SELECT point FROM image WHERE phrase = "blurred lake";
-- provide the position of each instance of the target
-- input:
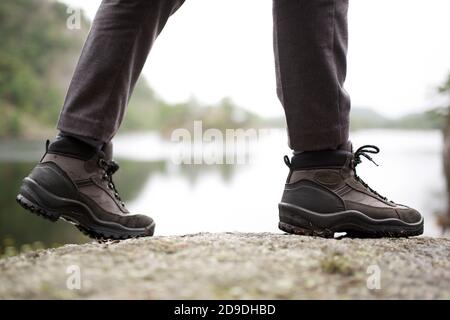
(213, 198)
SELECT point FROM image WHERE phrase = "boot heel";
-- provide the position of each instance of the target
(36, 209)
(29, 199)
(300, 225)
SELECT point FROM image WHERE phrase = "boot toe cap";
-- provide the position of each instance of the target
(409, 215)
(137, 221)
(144, 221)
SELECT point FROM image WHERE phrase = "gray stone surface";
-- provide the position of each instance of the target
(234, 265)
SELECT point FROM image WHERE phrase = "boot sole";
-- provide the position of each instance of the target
(35, 199)
(300, 221)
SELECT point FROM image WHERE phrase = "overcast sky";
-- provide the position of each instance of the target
(399, 52)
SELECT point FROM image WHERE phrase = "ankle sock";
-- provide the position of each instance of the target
(322, 158)
(319, 159)
(72, 146)
(97, 144)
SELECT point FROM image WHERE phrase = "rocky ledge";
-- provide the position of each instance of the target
(233, 266)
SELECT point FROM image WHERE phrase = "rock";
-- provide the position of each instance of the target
(234, 266)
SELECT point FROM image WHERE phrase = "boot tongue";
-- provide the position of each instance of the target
(107, 150)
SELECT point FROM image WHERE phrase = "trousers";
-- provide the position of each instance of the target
(310, 49)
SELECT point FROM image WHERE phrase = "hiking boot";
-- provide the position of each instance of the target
(324, 195)
(74, 182)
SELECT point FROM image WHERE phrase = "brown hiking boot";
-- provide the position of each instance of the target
(324, 195)
(74, 182)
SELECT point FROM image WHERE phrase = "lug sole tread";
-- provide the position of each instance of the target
(96, 235)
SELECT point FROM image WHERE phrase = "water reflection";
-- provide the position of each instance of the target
(20, 229)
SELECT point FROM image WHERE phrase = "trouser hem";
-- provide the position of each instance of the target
(324, 140)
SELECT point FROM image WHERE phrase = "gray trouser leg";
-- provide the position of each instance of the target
(310, 45)
(121, 37)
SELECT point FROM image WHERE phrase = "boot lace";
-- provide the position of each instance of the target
(365, 152)
(109, 168)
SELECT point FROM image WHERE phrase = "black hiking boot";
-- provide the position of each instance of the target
(324, 195)
(74, 182)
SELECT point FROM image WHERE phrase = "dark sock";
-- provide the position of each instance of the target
(345, 146)
(97, 144)
(72, 146)
(319, 159)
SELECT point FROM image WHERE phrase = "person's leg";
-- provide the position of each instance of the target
(310, 45)
(74, 178)
(121, 37)
(323, 194)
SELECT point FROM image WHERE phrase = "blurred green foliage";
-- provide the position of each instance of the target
(445, 87)
(362, 118)
(35, 44)
(37, 58)
(444, 216)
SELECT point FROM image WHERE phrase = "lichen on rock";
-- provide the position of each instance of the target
(234, 266)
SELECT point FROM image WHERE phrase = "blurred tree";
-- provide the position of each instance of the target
(37, 58)
(35, 46)
(445, 89)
